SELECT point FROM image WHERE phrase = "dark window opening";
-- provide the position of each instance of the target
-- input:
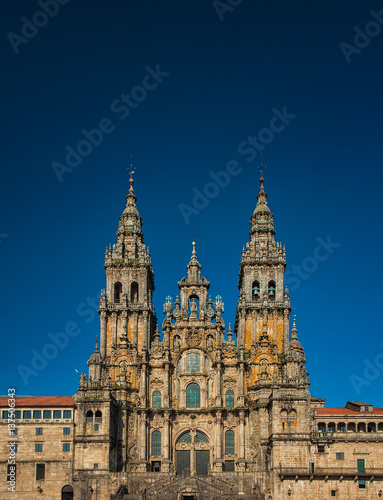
(229, 399)
(339, 456)
(27, 414)
(117, 292)
(156, 443)
(271, 290)
(156, 399)
(98, 416)
(311, 467)
(40, 472)
(156, 466)
(229, 442)
(134, 292)
(89, 416)
(320, 448)
(47, 414)
(193, 396)
(36, 413)
(229, 466)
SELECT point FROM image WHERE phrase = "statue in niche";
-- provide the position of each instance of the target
(193, 308)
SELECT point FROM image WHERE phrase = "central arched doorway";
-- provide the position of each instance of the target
(192, 454)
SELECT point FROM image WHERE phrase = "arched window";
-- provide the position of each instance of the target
(200, 437)
(229, 442)
(380, 426)
(185, 437)
(89, 416)
(331, 427)
(98, 416)
(134, 292)
(361, 427)
(341, 427)
(117, 292)
(271, 290)
(193, 396)
(156, 399)
(229, 399)
(351, 427)
(193, 362)
(156, 443)
(371, 427)
(321, 427)
(255, 290)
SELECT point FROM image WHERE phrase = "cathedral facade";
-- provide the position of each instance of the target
(193, 414)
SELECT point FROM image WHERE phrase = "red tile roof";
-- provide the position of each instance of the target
(35, 401)
(347, 411)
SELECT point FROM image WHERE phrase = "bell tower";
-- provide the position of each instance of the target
(263, 311)
(126, 309)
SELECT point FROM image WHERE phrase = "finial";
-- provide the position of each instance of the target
(96, 345)
(131, 170)
(261, 168)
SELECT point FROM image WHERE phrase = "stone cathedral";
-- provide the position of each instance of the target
(192, 413)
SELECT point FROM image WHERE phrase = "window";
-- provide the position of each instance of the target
(179, 366)
(117, 292)
(66, 431)
(229, 399)
(47, 414)
(271, 290)
(27, 414)
(134, 292)
(361, 466)
(89, 416)
(5, 414)
(362, 483)
(56, 413)
(331, 427)
(193, 396)
(156, 399)
(67, 414)
(95, 466)
(185, 437)
(36, 413)
(229, 442)
(39, 431)
(17, 414)
(38, 447)
(200, 437)
(156, 443)
(229, 465)
(193, 362)
(40, 472)
(96, 427)
(333, 493)
(339, 456)
(311, 467)
(66, 446)
(11, 472)
(255, 290)
(156, 466)
(98, 416)
(320, 448)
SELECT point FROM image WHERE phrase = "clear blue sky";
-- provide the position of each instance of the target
(225, 74)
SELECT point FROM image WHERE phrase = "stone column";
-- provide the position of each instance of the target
(145, 334)
(114, 327)
(124, 323)
(241, 388)
(166, 454)
(103, 319)
(218, 436)
(143, 437)
(135, 328)
(166, 387)
(254, 329)
(219, 384)
(143, 386)
(241, 435)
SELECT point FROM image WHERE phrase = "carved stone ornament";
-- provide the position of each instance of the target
(194, 338)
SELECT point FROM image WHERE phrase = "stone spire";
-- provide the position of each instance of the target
(262, 220)
(194, 267)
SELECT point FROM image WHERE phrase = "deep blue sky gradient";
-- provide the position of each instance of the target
(323, 177)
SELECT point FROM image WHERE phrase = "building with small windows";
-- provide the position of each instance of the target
(193, 410)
